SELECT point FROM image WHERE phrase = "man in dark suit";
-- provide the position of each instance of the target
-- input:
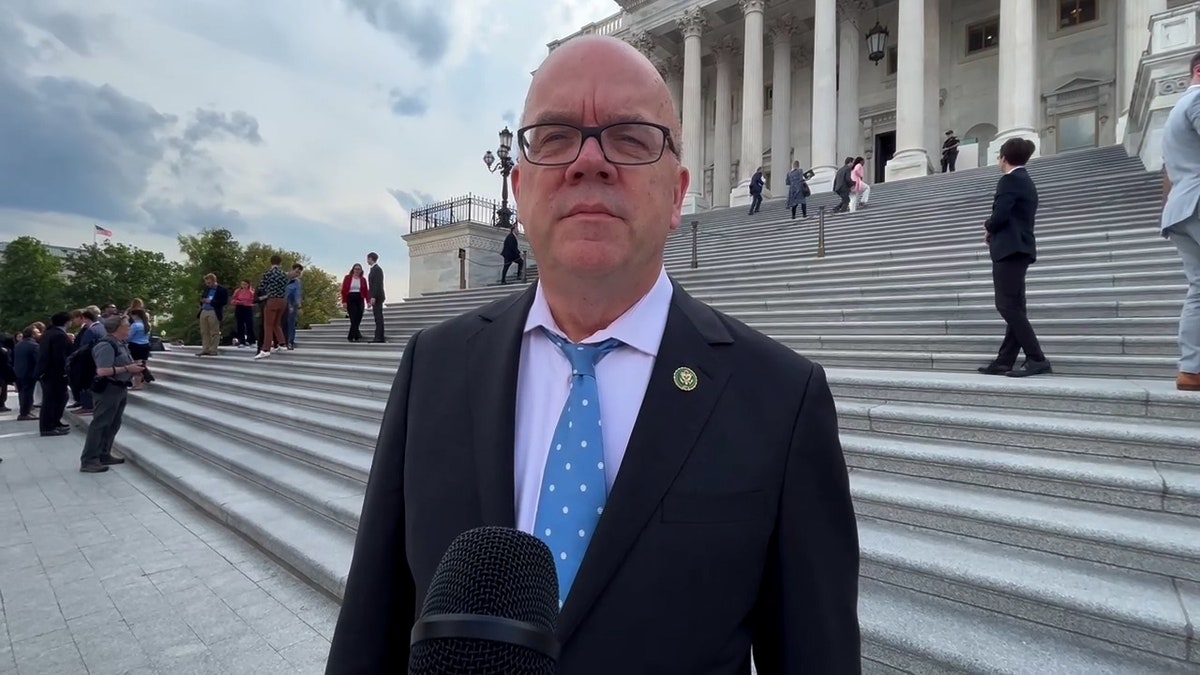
(842, 185)
(1009, 237)
(375, 284)
(25, 361)
(687, 475)
(511, 253)
(52, 371)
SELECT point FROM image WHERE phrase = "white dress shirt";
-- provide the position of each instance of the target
(544, 377)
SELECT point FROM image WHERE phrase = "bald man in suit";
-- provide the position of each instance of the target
(684, 469)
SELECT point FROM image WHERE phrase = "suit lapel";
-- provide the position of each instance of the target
(493, 357)
(667, 427)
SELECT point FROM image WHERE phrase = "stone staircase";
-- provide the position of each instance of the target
(1046, 525)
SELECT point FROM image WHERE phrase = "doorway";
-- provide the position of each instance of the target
(885, 149)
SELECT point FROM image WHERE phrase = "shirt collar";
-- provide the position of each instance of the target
(640, 327)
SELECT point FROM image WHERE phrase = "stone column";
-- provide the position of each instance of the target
(1135, 38)
(692, 24)
(781, 100)
(752, 101)
(725, 51)
(1017, 115)
(910, 160)
(671, 69)
(825, 162)
(933, 81)
(849, 134)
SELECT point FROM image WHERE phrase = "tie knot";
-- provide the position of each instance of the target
(584, 358)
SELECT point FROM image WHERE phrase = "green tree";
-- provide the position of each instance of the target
(119, 273)
(31, 284)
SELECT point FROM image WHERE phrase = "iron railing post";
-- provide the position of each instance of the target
(695, 251)
(821, 232)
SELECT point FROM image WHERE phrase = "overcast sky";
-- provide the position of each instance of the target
(311, 124)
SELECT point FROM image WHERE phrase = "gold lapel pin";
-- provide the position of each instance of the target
(685, 378)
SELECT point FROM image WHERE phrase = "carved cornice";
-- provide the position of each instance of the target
(642, 41)
(784, 28)
(852, 9)
(752, 6)
(693, 22)
(726, 48)
(669, 66)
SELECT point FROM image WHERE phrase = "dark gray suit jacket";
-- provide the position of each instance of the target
(1011, 223)
(375, 283)
(729, 524)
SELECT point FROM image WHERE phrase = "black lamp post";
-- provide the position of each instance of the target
(505, 165)
(877, 42)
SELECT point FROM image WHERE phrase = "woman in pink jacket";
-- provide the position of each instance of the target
(861, 190)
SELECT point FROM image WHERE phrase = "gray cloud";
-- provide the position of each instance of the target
(411, 201)
(170, 218)
(407, 104)
(424, 28)
(75, 148)
(69, 29)
(510, 118)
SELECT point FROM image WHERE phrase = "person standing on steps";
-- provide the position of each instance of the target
(115, 369)
(375, 281)
(355, 292)
(273, 288)
(949, 151)
(798, 191)
(609, 413)
(1008, 234)
(756, 188)
(1180, 222)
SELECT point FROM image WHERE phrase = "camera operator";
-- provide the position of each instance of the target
(115, 369)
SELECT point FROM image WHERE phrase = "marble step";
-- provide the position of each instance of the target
(1094, 435)
(1135, 484)
(912, 632)
(317, 548)
(1141, 613)
(1162, 544)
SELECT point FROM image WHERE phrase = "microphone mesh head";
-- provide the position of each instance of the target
(490, 571)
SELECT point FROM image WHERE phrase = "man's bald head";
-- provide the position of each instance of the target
(585, 55)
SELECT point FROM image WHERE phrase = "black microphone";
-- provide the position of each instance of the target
(491, 609)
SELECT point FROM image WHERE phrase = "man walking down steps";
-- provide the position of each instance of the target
(1180, 222)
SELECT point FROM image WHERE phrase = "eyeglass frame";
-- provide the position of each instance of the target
(594, 132)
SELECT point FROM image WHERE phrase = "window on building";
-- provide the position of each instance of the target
(768, 97)
(983, 35)
(1075, 12)
(893, 60)
(1077, 131)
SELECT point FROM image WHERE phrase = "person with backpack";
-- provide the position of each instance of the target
(114, 373)
(80, 368)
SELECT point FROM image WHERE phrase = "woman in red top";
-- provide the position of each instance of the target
(354, 295)
(243, 314)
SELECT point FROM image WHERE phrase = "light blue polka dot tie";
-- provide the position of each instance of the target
(573, 484)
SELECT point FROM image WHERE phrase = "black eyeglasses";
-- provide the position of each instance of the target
(623, 143)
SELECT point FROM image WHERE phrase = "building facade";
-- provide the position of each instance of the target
(766, 82)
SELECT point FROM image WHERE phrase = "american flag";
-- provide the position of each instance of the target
(103, 232)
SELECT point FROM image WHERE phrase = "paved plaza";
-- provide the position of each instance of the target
(113, 573)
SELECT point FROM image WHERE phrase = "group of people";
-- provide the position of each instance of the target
(266, 314)
(91, 355)
(278, 300)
